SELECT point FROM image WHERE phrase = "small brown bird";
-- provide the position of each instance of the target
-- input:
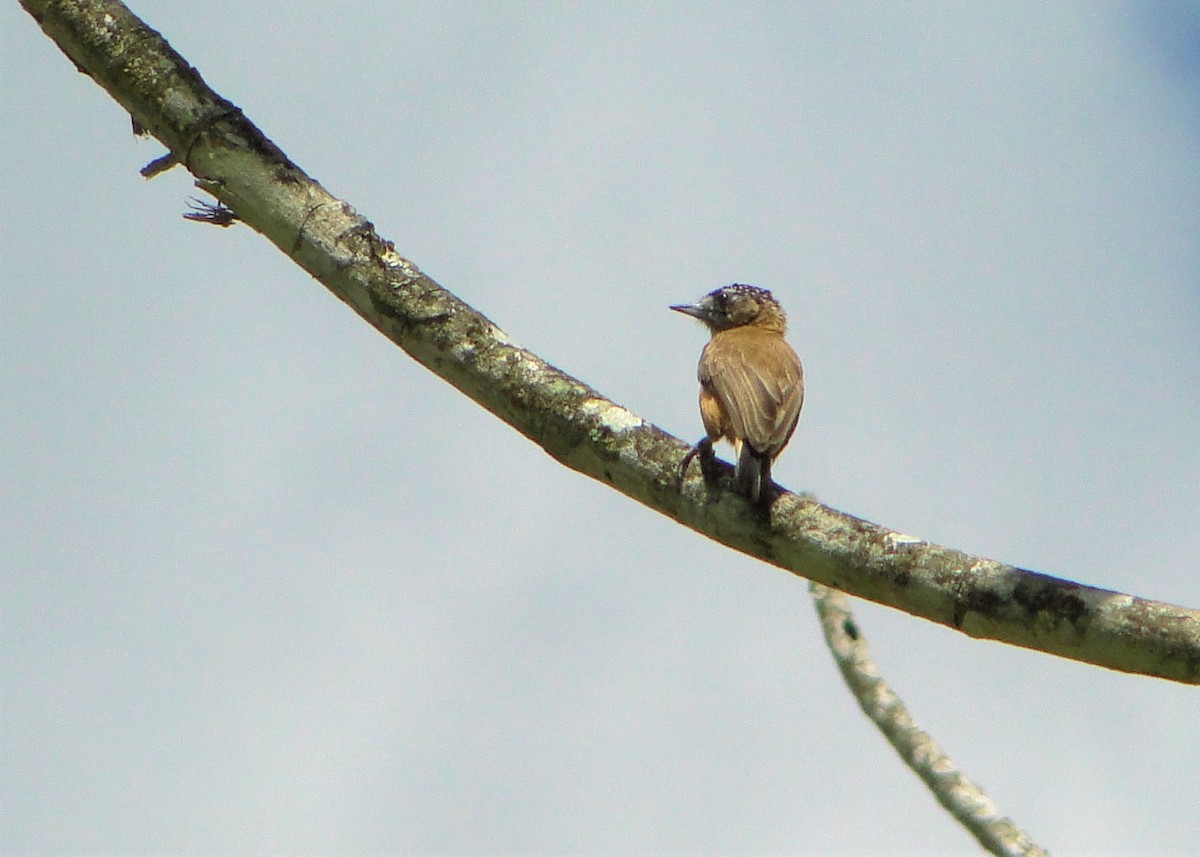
(751, 382)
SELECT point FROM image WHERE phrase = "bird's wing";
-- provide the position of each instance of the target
(758, 380)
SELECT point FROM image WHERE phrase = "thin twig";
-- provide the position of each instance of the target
(964, 800)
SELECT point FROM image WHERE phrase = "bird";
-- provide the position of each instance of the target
(751, 383)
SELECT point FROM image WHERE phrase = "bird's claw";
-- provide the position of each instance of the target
(708, 458)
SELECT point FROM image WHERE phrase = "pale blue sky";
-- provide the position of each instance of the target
(269, 586)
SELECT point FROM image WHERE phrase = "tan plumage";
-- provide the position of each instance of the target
(751, 381)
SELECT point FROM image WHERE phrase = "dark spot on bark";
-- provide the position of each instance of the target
(850, 629)
(1032, 594)
(1058, 598)
(983, 601)
(387, 309)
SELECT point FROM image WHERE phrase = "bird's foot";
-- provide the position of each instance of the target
(708, 460)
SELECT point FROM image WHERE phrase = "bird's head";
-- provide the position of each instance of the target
(736, 306)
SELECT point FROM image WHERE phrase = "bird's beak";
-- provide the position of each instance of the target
(699, 311)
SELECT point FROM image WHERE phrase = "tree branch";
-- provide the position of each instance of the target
(252, 177)
(966, 802)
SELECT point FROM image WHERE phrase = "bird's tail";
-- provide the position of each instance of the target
(753, 472)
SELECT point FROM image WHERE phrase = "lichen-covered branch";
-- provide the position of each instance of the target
(964, 800)
(251, 177)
